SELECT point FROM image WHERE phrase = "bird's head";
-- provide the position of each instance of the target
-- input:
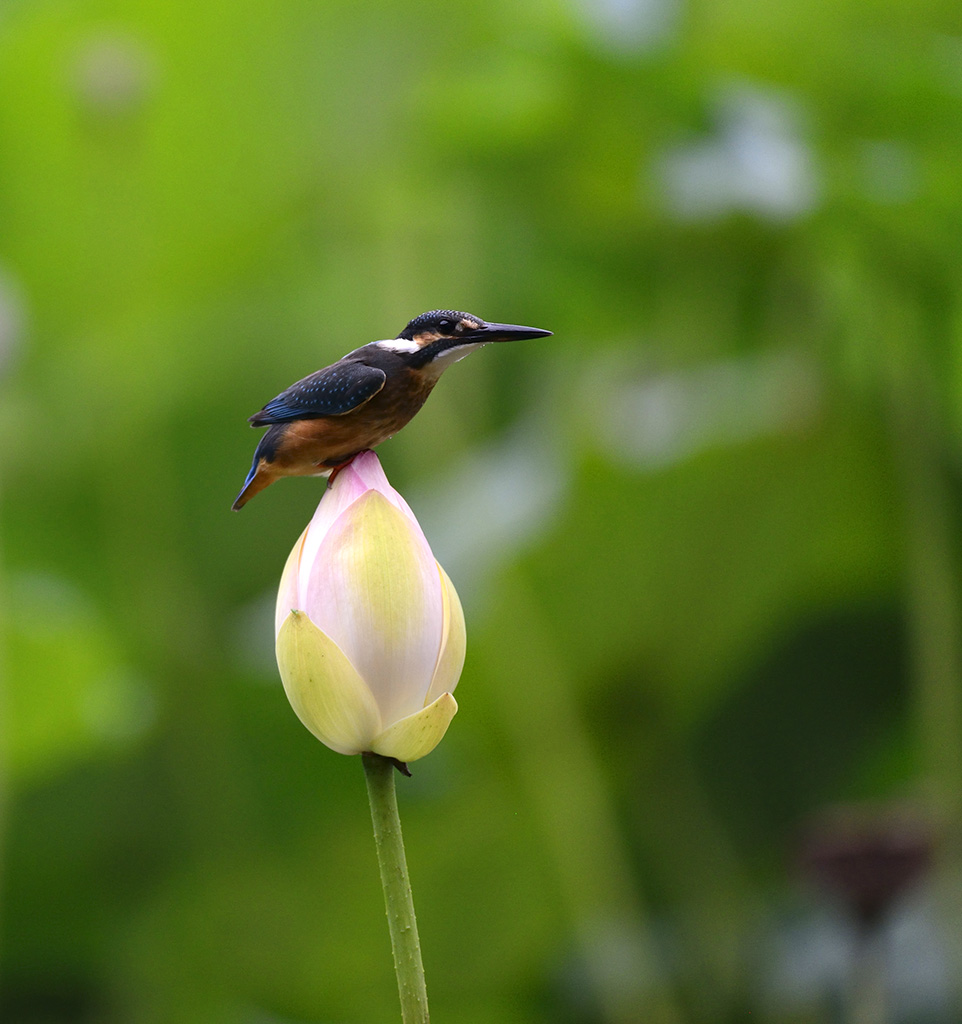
(442, 336)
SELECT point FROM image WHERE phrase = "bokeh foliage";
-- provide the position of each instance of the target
(706, 535)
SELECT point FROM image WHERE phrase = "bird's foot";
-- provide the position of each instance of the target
(340, 465)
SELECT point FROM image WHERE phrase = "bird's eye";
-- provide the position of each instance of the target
(445, 324)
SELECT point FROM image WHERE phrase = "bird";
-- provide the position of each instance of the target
(318, 425)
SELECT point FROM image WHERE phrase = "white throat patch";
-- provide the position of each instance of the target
(398, 345)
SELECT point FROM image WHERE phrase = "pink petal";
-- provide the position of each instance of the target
(361, 475)
(368, 468)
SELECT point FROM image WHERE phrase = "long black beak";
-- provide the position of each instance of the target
(505, 332)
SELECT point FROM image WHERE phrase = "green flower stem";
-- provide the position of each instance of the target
(398, 902)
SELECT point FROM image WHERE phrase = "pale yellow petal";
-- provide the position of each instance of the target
(287, 590)
(418, 734)
(447, 672)
(325, 690)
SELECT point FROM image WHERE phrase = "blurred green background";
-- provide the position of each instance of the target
(706, 536)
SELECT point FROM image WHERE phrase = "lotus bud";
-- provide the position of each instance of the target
(370, 631)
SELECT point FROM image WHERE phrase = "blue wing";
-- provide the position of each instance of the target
(332, 391)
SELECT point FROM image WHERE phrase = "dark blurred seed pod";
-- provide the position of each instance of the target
(867, 858)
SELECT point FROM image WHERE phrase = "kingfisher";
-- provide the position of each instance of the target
(320, 423)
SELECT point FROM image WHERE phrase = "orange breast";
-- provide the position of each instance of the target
(330, 440)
